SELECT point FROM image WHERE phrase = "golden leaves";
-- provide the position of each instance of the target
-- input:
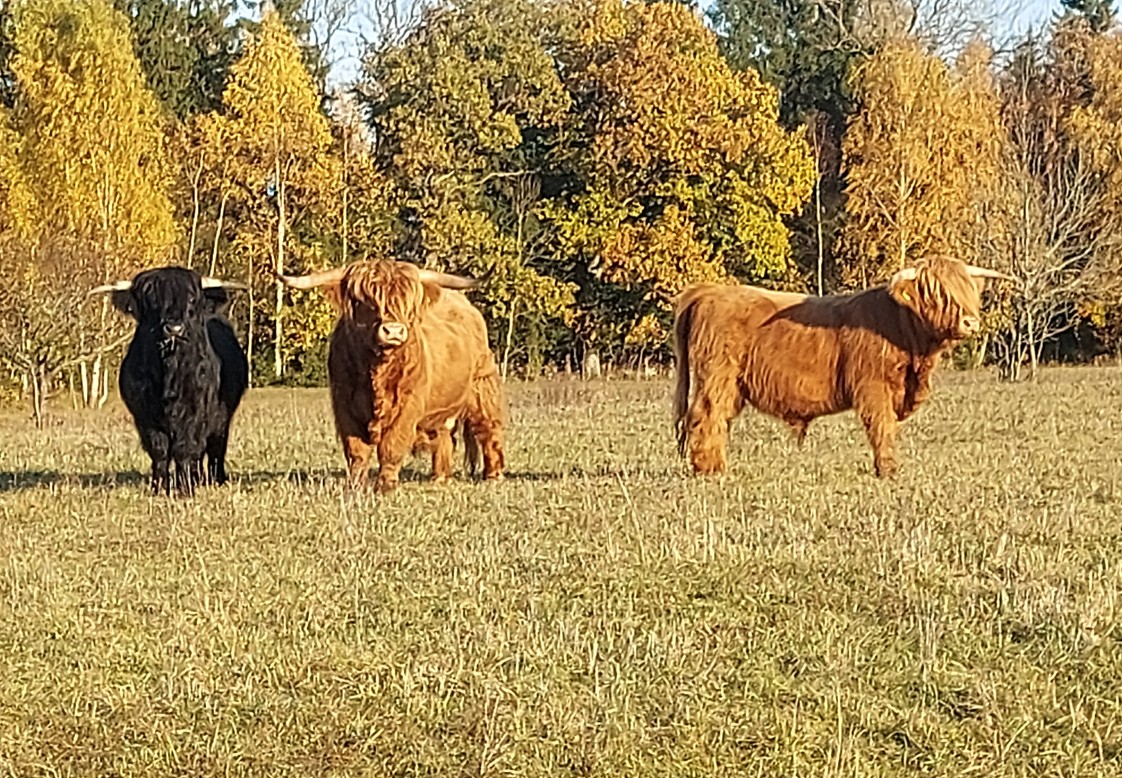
(93, 150)
(920, 154)
(683, 162)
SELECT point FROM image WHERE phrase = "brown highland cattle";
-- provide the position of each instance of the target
(798, 357)
(408, 363)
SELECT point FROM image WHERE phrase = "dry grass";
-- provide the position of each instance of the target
(598, 613)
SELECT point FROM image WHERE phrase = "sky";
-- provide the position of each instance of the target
(1024, 14)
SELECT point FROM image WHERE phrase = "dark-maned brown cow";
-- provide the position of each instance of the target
(408, 363)
(798, 357)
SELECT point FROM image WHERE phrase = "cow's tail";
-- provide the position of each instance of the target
(683, 324)
(471, 448)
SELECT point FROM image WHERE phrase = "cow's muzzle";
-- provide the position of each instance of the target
(391, 333)
(969, 326)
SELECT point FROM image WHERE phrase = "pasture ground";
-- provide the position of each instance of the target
(597, 614)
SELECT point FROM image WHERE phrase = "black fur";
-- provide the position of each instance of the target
(182, 387)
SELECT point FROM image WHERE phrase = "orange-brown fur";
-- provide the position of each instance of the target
(412, 396)
(797, 357)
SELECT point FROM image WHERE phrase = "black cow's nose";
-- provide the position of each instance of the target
(173, 330)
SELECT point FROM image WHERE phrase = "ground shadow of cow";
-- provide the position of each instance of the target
(25, 480)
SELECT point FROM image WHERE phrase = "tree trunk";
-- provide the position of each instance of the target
(1032, 346)
(346, 192)
(95, 382)
(278, 331)
(217, 234)
(818, 205)
(509, 337)
(249, 320)
(36, 380)
(194, 212)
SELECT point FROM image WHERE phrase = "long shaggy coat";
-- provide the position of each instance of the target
(409, 364)
(798, 357)
(184, 373)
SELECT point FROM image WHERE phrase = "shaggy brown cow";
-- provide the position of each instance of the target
(408, 364)
(797, 357)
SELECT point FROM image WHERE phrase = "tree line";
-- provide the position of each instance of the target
(595, 156)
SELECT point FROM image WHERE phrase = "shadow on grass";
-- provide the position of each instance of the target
(18, 481)
(34, 479)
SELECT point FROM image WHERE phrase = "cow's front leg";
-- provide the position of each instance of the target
(875, 407)
(395, 444)
(156, 443)
(357, 452)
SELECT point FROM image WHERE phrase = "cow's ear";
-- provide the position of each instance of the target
(334, 295)
(905, 292)
(217, 300)
(123, 301)
(431, 294)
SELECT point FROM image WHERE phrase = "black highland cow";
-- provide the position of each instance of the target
(184, 374)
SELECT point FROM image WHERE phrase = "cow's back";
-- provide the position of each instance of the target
(233, 367)
(784, 348)
(455, 337)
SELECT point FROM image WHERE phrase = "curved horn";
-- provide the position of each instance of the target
(217, 283)
(119, 286)
(312, 280)
(447, 280)
(903, 274)
(983, 272)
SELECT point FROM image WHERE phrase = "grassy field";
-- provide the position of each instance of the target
(599, 613)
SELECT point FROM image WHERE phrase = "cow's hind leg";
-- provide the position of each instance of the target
(714, 406)
(798, 429)
(188, 474)
(216, 458)
(485, 420)
(442, 449)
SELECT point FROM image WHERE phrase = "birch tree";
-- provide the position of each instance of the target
(273, 111)
(93, 156)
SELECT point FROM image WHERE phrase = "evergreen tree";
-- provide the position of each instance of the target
(185, 49)
(1098, 14)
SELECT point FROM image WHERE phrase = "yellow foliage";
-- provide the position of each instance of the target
(687, 172)
(920, 154)
(17, 204)
(648, 332)
(93, 152)
(666, 254)
(1097, 127)
(271, 102)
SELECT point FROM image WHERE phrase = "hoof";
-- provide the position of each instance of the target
(886, 470)
(385, 485)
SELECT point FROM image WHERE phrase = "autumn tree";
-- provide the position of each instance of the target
(93, 157)
(185, 49)
(1063, 181)
(463, 111)
(805, 49)
(272, 141)
(1099, 15)
(921, 150)
(677, 168)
